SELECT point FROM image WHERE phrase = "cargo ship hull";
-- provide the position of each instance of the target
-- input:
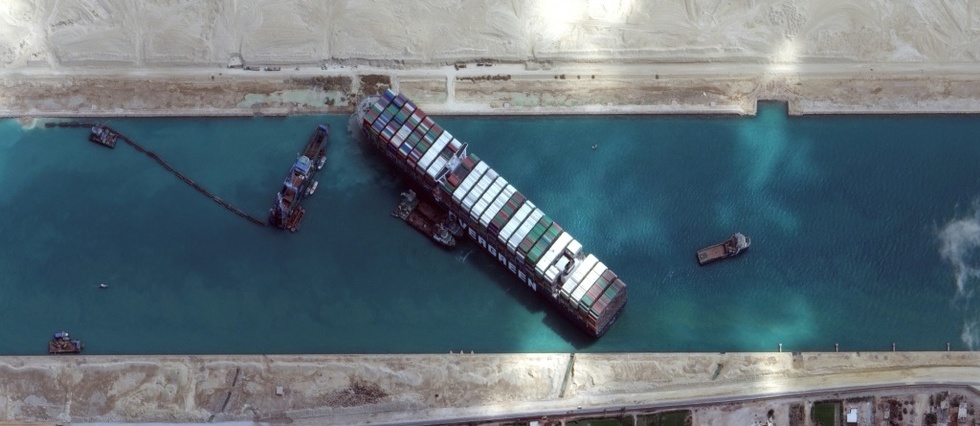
(508, 226)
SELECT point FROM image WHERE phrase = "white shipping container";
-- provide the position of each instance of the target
(588, 282)
(575, 247)
(436, 167)
(579, 273)
(431, 154)
(396, 140)
(498, 204)
(552, 274)
(488, 196)
(481, 201)
(556, 247)
(522, 232)
(479, 189)
(403, 132)
(515, 221)
(471, 179)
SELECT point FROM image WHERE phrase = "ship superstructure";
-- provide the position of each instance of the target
(494, 214)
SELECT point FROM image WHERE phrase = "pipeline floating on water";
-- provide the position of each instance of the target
(105, 132)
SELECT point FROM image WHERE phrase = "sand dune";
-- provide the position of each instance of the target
(625, 56)
(96, 32)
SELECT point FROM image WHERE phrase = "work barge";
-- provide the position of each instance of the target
(426, 219)
(287, 212)
(62, 343)
(731, 247)
(501, 220)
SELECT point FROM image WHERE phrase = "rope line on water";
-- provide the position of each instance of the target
(169, 168)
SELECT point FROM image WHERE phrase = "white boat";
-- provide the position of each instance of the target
(312, 188)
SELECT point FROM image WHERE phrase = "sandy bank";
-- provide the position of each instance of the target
(120, 58)
(340, 389)
(510, 90)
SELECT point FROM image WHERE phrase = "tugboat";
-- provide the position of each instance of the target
(287, 212)
(729, 248)
(424, 218)
(62, 343)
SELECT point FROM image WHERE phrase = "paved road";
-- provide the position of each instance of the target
(826, 385)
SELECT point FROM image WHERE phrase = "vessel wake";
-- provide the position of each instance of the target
(960, 246)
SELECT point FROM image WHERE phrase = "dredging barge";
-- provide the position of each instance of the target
(62, 343)
(103, 135)
(731, 247)
(424, 218)
(287, 212)
(493, 213)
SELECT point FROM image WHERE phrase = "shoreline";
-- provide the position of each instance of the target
(508, 90)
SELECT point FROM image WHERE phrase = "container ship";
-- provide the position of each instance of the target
(493, 213)
(287, 212)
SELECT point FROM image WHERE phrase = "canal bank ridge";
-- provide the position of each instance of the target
(437, 389)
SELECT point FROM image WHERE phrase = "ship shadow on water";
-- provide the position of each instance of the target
(528, 299)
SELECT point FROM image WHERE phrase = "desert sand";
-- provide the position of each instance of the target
(384, 389)
(116, 57)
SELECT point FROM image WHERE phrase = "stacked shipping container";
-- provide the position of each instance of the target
(494, 214)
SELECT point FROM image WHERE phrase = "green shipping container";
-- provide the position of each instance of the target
(391, 110)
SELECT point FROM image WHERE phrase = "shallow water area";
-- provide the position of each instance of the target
(860, 228)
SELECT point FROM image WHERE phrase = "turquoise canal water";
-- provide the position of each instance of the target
(865, 232)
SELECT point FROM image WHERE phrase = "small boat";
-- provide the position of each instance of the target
(312, 188)
(62, 343)
(103, 285)
(321, 162)
(723, 250)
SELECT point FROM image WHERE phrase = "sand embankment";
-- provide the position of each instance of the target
(360, 389)
(114, 57)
